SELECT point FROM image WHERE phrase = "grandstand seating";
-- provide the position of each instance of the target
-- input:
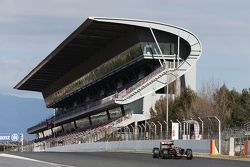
(82, 135)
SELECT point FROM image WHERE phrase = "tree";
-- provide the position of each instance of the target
(230, 106)
(178, 107)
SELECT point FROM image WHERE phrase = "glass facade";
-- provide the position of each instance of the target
(107, 67)
(135, 107)
(115, 113)
(149, 48)
(81, 123)
(99, 118)
(68, 126)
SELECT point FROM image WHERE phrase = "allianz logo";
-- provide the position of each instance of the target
(4, 137)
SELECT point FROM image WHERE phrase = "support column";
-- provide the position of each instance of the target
(177, 87)
(37, 135)
(123, 111)
(62, 127)
(75, 124)
(90, 121)
(231, 146)
(52, 131)
(178, 55)
(108, 114)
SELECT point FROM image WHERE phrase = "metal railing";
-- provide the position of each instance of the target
(125, 92)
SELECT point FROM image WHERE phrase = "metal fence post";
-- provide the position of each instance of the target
(160, 129)
(154, 129)
(202, 128)
(144, 125)
(139, 131)
(133, 130)
(219, 133)
(149, 130)
(166, 127)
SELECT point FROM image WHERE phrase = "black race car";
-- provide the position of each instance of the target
(168, 150)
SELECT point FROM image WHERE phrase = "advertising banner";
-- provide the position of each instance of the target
(14, 137)
(175, 131)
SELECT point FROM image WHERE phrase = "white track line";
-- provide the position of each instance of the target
(34, 160)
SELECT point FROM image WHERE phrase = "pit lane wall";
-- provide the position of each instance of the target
(198, 146)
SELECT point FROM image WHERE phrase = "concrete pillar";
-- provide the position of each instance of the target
(231, 146)
(62, 128)
(52, 132)
(177, 87)
(108, 114)
(123, 111)
(90, 121)
(75, 124)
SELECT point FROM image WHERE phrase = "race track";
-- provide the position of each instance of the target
(106, 159)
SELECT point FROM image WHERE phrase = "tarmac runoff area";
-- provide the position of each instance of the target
(109, 159)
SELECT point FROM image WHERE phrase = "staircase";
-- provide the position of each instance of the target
(154, 81)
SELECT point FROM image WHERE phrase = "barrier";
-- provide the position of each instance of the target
(198, 146)
(212, 147)
(246, 148)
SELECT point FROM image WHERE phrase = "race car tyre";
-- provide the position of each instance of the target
(165, 154)
(156, 152)
(189, 154)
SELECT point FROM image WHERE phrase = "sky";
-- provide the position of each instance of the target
(30, 30)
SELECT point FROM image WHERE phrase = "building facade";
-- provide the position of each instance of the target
(110, 68)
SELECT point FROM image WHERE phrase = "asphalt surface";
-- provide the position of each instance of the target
(108, 159)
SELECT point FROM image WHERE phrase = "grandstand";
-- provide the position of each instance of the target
(107, 74)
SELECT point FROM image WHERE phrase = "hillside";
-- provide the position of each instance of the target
(17, 114)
